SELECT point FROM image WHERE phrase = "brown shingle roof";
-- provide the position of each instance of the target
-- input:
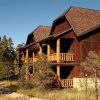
(41, 33)
(82, 19)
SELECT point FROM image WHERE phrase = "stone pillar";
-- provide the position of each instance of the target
(58, 56)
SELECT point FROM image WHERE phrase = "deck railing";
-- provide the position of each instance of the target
(63, 57)
(52, 57)
(35, 59)
(66, 83)
(32, 60)
(67, 57)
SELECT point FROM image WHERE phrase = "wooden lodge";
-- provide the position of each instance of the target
(66, 43)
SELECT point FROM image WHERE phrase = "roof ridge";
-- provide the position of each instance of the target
(44, 26)
(67, 10)
(83, 8)
(38, 27)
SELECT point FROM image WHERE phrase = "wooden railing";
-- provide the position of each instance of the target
(32, 60)
(35, 59)
(67, 57)
(63, 57)
(66, 83)
(52, 57)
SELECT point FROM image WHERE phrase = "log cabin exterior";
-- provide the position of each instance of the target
(67, 42)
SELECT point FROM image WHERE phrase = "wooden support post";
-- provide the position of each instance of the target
(26, 58)
(23, 57)
(40, 50)
(58, 57)
(33, 56)
(48, 51)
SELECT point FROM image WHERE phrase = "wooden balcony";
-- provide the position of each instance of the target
(32, 60)
(66, 83)
(66, 57)
(52, 57)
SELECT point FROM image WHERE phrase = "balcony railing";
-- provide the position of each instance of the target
(66, 83)
(67, 57)
(63, 57)
(32, 60)
(52, 57)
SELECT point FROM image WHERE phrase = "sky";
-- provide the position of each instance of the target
(19, 17)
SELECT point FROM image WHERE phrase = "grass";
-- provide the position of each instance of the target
(61, 94)
(8, 83)
(53, 94)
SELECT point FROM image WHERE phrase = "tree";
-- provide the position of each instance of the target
(7, 53)
(43, 74)
(18, 60)
(92, 67)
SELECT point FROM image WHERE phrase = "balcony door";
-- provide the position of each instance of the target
(65, 44)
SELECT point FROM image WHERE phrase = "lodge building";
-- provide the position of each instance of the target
(66, 43)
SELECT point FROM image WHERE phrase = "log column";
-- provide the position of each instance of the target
(33, 56)
(26, 58)
(58, 56)
(48, 51)
(40, 50)
(23, 57)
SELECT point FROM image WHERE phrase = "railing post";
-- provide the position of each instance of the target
(58, 56)
(26, 58)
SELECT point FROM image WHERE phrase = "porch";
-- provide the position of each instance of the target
(57, 53)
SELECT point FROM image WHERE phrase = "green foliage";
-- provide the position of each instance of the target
(3, 69)
(7, 56)
(22, 82)
(92, 62)
(7, 51)
(43, 73)
(19, 46)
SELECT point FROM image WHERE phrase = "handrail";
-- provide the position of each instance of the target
(66, 82)
(63, 57)
(66, 56)
(52, 57)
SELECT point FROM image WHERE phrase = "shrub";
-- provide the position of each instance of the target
(43, 73)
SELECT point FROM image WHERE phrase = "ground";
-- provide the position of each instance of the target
(54, 94)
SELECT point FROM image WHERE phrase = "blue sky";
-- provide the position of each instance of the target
(19, 17)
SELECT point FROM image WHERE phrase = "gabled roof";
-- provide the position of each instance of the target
(81, 19)
(39, 34)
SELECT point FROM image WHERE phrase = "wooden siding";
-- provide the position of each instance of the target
(90, 43)
(76, 49)
(60, 26)
(81, 46)
(30, 39)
